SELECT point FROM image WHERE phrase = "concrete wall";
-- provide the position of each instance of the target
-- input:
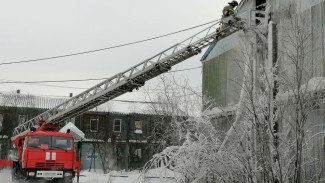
(311, 16)
(315, 126)
(221, 78)
(222, 72)
(219, 68)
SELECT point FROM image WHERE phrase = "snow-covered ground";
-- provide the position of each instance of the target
(152, 176)
(5, 176)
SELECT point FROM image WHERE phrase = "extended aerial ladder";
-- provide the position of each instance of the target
(128, 80)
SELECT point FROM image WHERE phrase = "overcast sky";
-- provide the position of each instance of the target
(41, 28)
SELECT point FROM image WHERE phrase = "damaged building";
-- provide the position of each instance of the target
(282, 42)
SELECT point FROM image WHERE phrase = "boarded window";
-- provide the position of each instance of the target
(22, 119)
(117, 125)
(94, 125)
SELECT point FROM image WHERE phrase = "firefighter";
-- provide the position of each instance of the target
(229, 10)
(226, 12)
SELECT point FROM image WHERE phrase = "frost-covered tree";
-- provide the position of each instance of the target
(170, 100)
(276, 109)
(278, 132)
(192, 141)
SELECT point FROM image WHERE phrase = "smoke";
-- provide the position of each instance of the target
(112, 159)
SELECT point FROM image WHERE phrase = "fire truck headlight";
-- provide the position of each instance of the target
(67, 174)
(31, 173)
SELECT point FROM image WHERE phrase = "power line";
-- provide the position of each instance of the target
(186, 69)
(46, 85)
(52, 81)
(103, 49)
(77, 80)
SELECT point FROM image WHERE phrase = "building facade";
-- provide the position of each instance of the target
(274, 32)
(125, 139)
(113, 141)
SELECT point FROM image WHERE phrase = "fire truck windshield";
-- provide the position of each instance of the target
(50, 142)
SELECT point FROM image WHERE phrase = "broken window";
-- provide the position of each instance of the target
(117, 125)
(138, 126)
(138, 153)
(260, 5)
(22, 119)
(94, 125)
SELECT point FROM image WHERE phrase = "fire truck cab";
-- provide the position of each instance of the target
(47, 155)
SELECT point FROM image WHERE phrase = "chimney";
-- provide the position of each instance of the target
(71, 95)
(18, 91)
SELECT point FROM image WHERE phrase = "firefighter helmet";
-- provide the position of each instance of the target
(233, 3)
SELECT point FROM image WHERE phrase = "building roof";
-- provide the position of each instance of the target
(42, 102)
(29, 101)
(39, 102)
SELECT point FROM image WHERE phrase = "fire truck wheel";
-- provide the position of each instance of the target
(18, 175)
(65, 180)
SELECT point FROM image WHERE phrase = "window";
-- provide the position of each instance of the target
(1, 121)
(50, 142)
(39, 142)
(260, 4)
(63, 143)
(117, 125)
(94, 125)
(138, 126)
(137, 153)
(22, 119)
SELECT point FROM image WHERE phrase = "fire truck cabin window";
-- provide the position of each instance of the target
(63, 143)
(50, 142)
(39, 142)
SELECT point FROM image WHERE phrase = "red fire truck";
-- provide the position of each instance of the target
(44, 153)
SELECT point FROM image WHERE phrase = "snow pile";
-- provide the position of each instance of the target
(92, 177)
(221, 111)
(314, 85)
(5, 175)
(123, 177)
(78, 134)
(98, 176)
(138, 131)
(162, 174)
(158, 175)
